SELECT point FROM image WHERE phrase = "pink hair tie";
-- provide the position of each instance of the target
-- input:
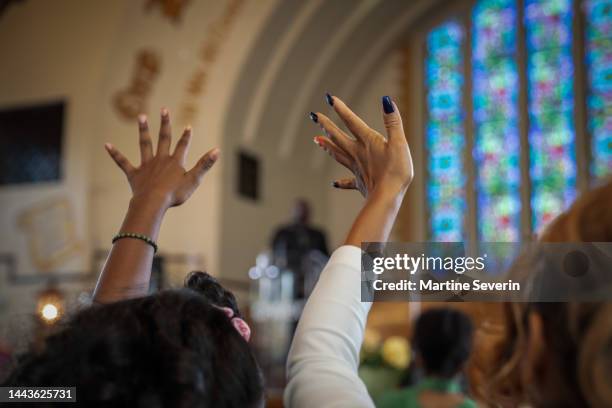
(240, 325)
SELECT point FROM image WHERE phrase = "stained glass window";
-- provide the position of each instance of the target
(552, 161)
(546, 87)
(496, 137)
(445, 132)
(599, 61)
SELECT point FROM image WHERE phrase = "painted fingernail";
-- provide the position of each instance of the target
(316, 141)
(330, 100)
(387, 104)
(336, 184)
(314, 117)
(142, 118)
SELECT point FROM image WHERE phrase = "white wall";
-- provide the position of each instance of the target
(85, 54)
(194, 229)
(53, 50)
(248, 225)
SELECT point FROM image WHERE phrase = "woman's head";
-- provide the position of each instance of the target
(588, 220)
(443, 340)
(177, 348)
(560, 354)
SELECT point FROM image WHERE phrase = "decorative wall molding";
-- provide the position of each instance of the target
(215, 36)
(171, 9)
(132, 100)
(51, 233)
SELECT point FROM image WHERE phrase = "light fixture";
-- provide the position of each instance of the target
(50, 305)
(49, 312)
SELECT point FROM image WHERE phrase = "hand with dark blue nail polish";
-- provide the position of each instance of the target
(387, 104)
(378, 163)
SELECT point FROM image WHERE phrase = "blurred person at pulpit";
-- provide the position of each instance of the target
(300, 248)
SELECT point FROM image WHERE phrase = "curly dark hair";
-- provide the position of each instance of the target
(175, 348)
(212, 290)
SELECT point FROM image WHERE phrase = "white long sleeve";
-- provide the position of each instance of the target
(324, 357)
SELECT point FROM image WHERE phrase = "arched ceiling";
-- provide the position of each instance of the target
(305, 49)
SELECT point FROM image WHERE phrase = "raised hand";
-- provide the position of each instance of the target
(162, 175)
(375, 161)
(159, 183)
(382, 167)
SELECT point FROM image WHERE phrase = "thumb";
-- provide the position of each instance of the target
(205, 163)
(392, 119)
(121, 161)
(346, 184)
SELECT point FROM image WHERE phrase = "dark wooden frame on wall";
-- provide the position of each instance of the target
(413, 225)
(248, 175)
(45, 119)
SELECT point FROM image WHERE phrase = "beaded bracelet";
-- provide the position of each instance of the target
(136, 236)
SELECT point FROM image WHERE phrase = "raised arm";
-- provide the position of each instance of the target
(160, 182)
(324, 357)
(382, 168)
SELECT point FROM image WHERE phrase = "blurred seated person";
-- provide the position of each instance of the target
(294, 243)
(442, 341)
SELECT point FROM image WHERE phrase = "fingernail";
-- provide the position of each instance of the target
(314, 117)
(329, 99)
(336, 184)
(164, 112)
(142, 118)
(387, 104)
(214, 155)
(188, 128)
(316, 141)
(108, 146)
